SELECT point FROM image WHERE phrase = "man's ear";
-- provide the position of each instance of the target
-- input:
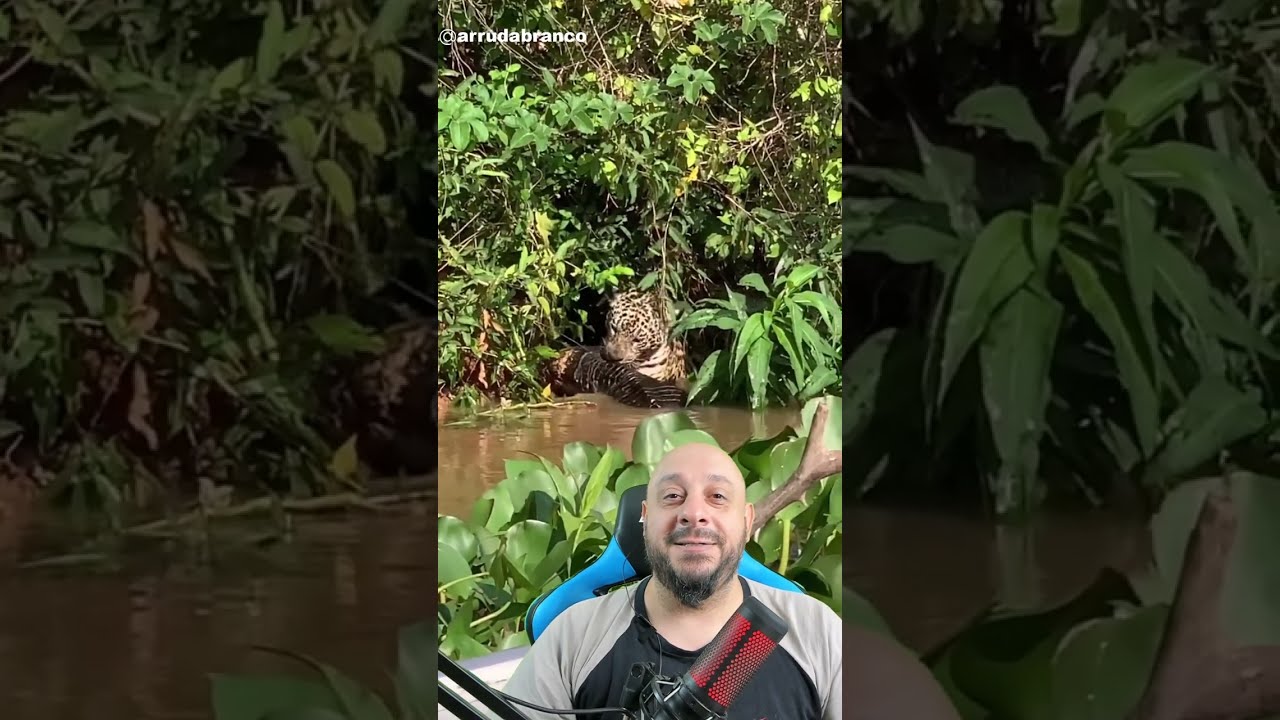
(644, 509)
(751, 516)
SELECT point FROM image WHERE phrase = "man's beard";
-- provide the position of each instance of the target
(692, 588)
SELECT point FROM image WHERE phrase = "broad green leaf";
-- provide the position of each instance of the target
(527, 544)
(631, 476)
(91, 290)
(861, 381)
(388, 70)
(456, 533)
(758, 370)
(1105, 309)
(910, 244)
(547, 567)
(308, 713)
(299, 130)
(685, 437)
(566, 491)
(494, 509)
(1005, 660)
(54, 132)
(650, 441)
(1149, 90)
(1183, 285)
(344, 335)
(996, 265)
(451, 571)
(271, 43)
(339, 186)
(416, 683)
(1046, 233)
(579, 458)
(800, 275)
(833, 438)
(1066, 19)
(598, 480)
(1214, 416)
(1254, 196)
(1102, 666)
(709, 374)
(952, 175)
(55, 27)
(92, 234)
(1003, 107)
(1017, 351)
(754, 281)
(390, 21)
(1202, 171)
(903, 181)
(1137, 220)
(254, 697)
(231, 77)
(819, 380)
(784, 459)
(824, 304)
(752, 330)
(362, 126)
(356, 700)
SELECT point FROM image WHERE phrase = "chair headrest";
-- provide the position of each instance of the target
(622, 562)
(628, 530)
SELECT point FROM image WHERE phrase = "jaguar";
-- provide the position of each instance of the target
(638, 335)
(585, 370)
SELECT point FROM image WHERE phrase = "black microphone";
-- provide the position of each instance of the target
(725, 665)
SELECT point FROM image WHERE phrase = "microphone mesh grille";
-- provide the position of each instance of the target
(719, 652)
(727, 687)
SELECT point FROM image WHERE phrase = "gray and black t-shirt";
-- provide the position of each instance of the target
(583, 658)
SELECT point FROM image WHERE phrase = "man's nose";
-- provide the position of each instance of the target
(693, 510)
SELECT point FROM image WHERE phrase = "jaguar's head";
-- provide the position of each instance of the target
(639, 323)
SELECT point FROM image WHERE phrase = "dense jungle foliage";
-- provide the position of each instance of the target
(205, 216)
(1064, 246)
(690, 146)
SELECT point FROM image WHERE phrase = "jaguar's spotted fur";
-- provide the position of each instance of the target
(639, 336)
(585, 370)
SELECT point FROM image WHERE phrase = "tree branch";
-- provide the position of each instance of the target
(816, 464)
(1197, 674)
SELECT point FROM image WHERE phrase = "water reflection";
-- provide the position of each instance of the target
(140, 645)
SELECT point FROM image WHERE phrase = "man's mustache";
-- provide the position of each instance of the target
(689, 535)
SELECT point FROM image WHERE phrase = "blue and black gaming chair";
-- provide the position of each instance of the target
(622, 562)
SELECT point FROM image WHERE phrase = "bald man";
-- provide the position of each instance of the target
(696, 522)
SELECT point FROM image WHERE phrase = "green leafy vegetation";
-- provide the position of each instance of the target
(1100, 270)
(545, 521)
(203, 222)
(1094, 656)
(1064, 216)
(331, 695)
(786, 351)
(668, 150)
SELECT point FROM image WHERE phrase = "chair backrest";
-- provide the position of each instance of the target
(622, 562)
